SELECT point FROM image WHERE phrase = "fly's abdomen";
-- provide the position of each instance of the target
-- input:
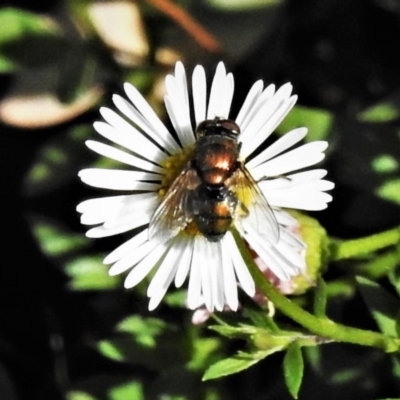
(212, 210)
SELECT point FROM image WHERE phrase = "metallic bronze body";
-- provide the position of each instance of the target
(215, 159)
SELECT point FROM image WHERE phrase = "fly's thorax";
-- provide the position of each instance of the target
(215, 158)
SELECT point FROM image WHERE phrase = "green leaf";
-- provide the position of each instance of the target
(89, 273)
(320, 298)
(383, 112)
(203, 350)
(144, 330)
(233, 332)
(128, 390)
(293, 368)
(382, 305)
(235, 364)
(318, 122)
(261, 319)
(385, 164)
(390, 190)
(54, 239)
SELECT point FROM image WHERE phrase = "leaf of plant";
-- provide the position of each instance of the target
(293, 368)
(319, 122)
(320, 298)
(382, 112)
(27, 39)
(89, 273)
(382, 305)
(261, 319)
(127, 390)
(233, 332)
(237, 363)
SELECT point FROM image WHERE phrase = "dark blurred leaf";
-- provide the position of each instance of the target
(235, 364)
(56, 240)
(261, 319)
(384, 112)
(203, 350)
(27, 39)
(58, 161)
(144, 330)
(127, 391)
(293, 367)
(383, 306)
(233, 332)
(79, 395)
(317, 121)
(390, 190)
(385, 164)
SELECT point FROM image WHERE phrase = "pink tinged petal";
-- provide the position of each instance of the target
(229, 280)
(119, 179)
(250, 101)
(199, 89)
(123, 157)
(185, 261)
(266, 254)
(147, 119)
(200, 316)
(123, 133)
(143, 268)
(242, 272)
(217, 89)
(194, 297)
(127, 247)
(292, 239)
(263, 131)
(301, 157)
(134, 256)
(282, 144)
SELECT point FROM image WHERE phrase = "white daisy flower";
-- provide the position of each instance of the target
(213, 267)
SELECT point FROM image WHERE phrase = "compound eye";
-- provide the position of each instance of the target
(230, 126)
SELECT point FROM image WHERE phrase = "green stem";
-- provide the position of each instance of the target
(321, 326)
(342, 249)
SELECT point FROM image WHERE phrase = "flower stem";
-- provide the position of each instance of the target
(343, 249)
(321, 326)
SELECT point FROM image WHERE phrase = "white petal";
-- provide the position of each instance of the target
(304, 156)
(143, 268)
(127, 247)
(229, 280)
(251, 99)
(217, 89)
(199, 88)
(227, 95)
(262, 109)
(101, 231)
(123, 133)
(265, 127)
(194, 289)
(147, 119)
(119, 179)
(134, 256)
(281, 145)
(242, 273)
(216, 275)
(165, 141)
(165, 272)
(123, 157)
(184, 263)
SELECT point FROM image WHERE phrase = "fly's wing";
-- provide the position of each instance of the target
(253, 205)
(173, 214)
